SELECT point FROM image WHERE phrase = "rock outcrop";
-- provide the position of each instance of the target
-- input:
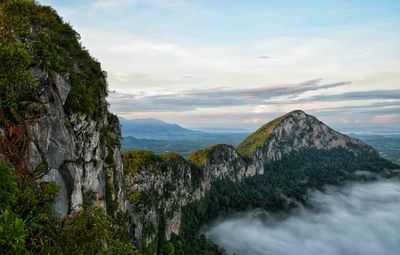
(162, 186)
(82, 154)
(55, 125)
(298, 131)
(64, 132)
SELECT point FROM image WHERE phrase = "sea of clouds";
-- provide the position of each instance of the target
(357, 219)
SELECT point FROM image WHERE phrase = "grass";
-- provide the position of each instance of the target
(259, 137)
(135, 160)
(199, 157)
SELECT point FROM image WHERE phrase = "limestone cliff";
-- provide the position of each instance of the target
(54, 122)
(82, 154)
(55, 127)
(159, 187)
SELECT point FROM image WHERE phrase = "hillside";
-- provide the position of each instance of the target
(66, 189)
(59, 146)
(182, 195)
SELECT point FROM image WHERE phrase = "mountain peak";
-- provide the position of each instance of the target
(258, 138)
(293, 131)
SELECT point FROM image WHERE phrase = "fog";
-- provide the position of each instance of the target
(360, 218)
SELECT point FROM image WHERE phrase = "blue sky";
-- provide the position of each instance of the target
(241, 63)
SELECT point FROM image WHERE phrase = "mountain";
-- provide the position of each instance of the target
(156, 129)
(276, 164)
(59, 144)
(294, 132)
(66, 188)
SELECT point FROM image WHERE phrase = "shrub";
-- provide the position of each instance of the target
(12, 233)
(90, 231)
(8, 186)
(135, 160)
(199, 157)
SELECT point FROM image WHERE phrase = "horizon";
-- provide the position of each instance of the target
(212, 64)
(249, 129)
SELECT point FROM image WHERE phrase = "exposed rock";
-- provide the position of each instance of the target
(298, 130)
(159, 189)
(74, 147)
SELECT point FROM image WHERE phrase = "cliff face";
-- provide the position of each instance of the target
(162, 186)
(82, 154)
(159, 186)
(54, 122)
(61, 127)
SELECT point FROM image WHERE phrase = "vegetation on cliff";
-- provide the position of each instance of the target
(28, 223)
(34, 35)
(281, 188)
(35, 42)
(199, 157)
(260, 136)
(33, 38)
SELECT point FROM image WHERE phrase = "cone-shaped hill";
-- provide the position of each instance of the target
(294, 131)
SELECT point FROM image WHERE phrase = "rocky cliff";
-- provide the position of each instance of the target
(296, 131)
(162, 186)
(55, 125)
(82, 154)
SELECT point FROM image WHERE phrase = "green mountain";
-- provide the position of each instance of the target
(66, 189)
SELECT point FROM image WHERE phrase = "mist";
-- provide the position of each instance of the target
(359, 218)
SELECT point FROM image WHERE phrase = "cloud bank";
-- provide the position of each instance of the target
(359, 219)
(213, 97)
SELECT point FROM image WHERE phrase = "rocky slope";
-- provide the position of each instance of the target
(82, 154)
(55, 127)
(293, 132)
(167, 184)
(54, 122)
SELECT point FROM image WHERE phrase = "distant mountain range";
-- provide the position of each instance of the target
(162, 137)
(157, 129)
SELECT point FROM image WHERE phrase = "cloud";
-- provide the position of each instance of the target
(358, 219)
(265, 57)
(217, 97)
(386, 118)
(361, 95)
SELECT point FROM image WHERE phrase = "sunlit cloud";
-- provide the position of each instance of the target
(386, 118)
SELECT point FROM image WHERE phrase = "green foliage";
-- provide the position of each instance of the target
(291, 177)
(8, 186)
(88, 197)
(258, 138)
(86, 232)
(134, 196)
(92, 231)
(32, 34)
(35, 206)
(169, 249)
(171, 157)
(34, 37)
(16, 82)
(199, 157)
(12, 233)
(135, 160)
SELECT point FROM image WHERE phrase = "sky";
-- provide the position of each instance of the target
(238, 64)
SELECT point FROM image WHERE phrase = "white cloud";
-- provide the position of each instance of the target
(359, 219)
